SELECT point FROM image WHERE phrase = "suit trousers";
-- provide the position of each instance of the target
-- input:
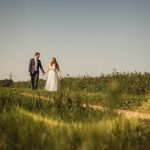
(35, 79)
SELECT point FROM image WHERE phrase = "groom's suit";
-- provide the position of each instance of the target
(34, 66)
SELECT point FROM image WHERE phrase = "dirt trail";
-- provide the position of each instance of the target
(126, 113)
(36, 96)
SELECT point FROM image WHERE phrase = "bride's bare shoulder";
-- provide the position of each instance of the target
(49, 65)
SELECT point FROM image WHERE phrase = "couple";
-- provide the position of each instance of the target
(52, 82)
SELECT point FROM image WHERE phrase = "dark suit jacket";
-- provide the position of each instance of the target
(32, 66)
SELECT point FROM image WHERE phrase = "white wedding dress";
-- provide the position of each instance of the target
(52, 82)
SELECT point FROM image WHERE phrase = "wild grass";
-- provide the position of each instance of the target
(21, 129)
(41, 120)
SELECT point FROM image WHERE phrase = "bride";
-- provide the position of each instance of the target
(52, 82)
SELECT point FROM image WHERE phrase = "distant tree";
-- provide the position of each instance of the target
(6, 83)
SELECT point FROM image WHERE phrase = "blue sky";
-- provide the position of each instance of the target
(86, 36)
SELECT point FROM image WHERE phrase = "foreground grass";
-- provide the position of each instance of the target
(42, 120)
(23, 130)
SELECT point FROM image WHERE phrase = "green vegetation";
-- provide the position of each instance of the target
(6, 83)
(64, 120)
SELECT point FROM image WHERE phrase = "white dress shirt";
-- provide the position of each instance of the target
(35, 64)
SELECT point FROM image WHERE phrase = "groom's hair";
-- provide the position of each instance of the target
(37, 53)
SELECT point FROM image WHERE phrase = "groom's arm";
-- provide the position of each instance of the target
(41, 67)
(30, 65)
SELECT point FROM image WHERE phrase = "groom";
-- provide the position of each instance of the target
(34, 66)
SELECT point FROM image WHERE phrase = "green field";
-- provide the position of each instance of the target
(109, 112)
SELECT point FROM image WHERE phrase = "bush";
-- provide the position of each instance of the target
(130, 83)
(6, 83)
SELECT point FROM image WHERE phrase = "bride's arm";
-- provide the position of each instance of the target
(47, 71)
(49, 67)
(60, 74)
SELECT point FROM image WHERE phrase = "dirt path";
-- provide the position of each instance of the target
(134, 114)
(36, 96)
(126, 113)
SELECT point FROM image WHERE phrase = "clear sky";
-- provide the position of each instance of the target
(86, 36)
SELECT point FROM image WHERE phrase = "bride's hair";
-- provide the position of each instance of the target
(54, 61)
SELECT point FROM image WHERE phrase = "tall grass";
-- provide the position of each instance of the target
(20, 131)
(41, 120)
(130, 83)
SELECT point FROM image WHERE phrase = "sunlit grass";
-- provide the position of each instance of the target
(49, 121)
(36, 131)
(106, 113)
